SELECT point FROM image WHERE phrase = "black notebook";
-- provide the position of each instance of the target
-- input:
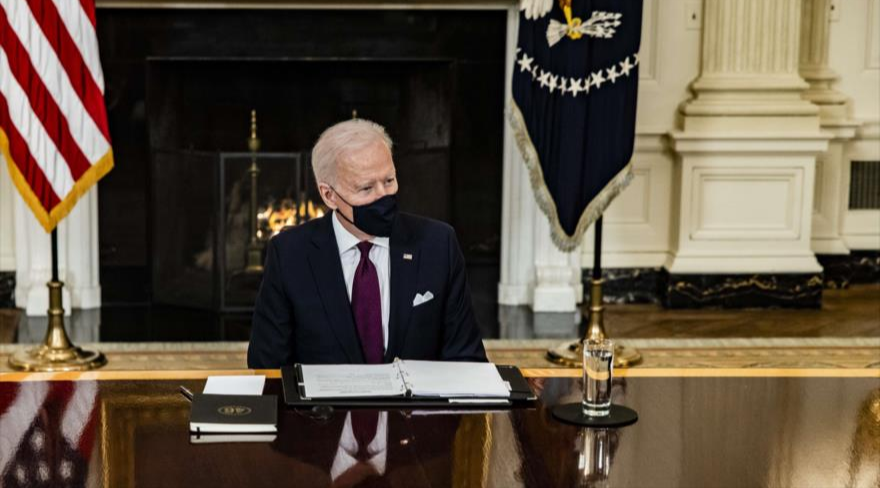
(233, 413)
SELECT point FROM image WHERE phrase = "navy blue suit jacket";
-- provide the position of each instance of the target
(303, 313)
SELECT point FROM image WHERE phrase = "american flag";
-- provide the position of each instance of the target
(47, 434)
(53, 123)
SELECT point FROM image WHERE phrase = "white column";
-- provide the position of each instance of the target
(832, 188)
(517, 203)
(743, 195)
(8, 196)
(558, 285)
(77, 258)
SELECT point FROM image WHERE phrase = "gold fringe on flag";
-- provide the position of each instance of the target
(50, 219)
(594, 210)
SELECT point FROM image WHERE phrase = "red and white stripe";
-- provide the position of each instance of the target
(72, 406)
(52, 111)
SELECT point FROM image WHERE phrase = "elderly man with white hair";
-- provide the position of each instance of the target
(365, 283)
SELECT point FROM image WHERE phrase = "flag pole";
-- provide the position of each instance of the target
(571, 355)
(56, 353)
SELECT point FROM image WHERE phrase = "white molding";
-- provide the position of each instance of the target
(751, 244)
(723, 264)
(77, 258)
(741, 182)
(863, 242)
(8, 194)
(633, 259)
(649, 43)
(830, 245)
(831, 194)
(807, 143)
(872, 36)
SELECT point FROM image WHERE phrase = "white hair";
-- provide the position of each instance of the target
(341, 140)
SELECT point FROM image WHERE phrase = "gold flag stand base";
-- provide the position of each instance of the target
(56, 353)
(572, 354)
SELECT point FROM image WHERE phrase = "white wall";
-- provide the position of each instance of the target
(854, 53)
(637, 225)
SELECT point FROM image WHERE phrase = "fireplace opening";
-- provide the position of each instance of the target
(179, 105)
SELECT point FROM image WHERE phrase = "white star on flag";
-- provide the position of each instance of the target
(544, 78)
(612, 74)
(597, 80)
(525, 64)
(625, 66)
(575, 86)
(563, 85)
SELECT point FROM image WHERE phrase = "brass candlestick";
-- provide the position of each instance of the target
(56, 353)
(572, 354)
(255, 245)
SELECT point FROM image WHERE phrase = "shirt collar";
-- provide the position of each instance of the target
(345, 240)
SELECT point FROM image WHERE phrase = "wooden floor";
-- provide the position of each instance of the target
(853, 312)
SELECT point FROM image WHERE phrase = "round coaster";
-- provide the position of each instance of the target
(572, 413)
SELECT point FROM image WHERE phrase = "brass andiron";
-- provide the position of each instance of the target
(571, 354)
(255, 245)
(56, 353)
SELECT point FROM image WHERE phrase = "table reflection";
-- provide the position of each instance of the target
(692, 431)
(596, 448)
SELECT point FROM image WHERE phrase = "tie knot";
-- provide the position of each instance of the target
(364, 247)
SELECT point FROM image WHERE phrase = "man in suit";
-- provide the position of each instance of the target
(364, 283)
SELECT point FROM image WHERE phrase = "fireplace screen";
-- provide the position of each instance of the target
(214, 214)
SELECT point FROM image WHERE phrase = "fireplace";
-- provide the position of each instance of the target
(180, 88)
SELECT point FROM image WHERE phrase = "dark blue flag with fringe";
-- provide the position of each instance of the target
(575, 83)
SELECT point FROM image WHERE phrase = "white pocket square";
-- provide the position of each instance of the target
(420, 299)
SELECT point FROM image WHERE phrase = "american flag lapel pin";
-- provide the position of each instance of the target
(407, 256)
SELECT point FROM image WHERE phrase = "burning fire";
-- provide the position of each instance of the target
(274, 218)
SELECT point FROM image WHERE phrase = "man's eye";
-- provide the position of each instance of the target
(366, 188)
(389, 181)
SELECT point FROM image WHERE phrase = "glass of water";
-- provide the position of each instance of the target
(598, 370)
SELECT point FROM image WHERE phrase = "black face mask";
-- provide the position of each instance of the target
(374, 218)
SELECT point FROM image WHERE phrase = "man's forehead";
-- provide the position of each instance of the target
(365, 165)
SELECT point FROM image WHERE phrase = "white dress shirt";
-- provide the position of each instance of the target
(346, 453)
(350, 256)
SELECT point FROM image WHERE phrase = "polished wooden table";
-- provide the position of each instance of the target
(697, 428)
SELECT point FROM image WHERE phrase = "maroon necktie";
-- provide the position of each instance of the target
(366, 303)
(364, 424)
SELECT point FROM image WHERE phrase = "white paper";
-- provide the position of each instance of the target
(235, 385)
(220, 438)
(454, 379)
(350, 381)
(206, 427)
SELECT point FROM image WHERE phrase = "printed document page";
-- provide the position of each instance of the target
(352, 380)
(454, 379)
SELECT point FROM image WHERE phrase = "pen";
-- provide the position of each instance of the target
(186, 393)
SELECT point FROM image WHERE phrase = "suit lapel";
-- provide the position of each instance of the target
(404, 263)
(327, 272)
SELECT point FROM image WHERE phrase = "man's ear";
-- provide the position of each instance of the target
(328, 195)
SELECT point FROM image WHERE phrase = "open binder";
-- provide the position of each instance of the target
(415, 390)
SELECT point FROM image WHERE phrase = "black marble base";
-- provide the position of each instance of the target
(842, 270)
(7, 289)
(742, 291)
(627, 285)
